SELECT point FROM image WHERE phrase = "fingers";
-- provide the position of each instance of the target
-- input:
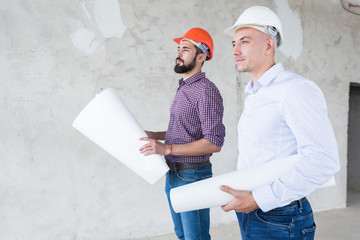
(226, 208)
(144, 148)
(147, 146)
(153, 147)
(243, 201)
(227, 189)
(232, 204)
(148, 153)
(145, 138)
(147, 149)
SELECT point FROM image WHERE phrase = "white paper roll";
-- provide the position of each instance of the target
(207, 193)
(107, 121)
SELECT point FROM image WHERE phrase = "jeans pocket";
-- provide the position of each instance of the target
(309, 233)
(265, 226)
(279, 220)
(188, 175)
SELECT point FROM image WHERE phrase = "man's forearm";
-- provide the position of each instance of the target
(197, 148)
(156, 135)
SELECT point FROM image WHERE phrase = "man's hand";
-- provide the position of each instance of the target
(243, 201)
(154, 147)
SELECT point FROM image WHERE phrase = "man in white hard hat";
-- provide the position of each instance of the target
(195, 130)
(284, 114)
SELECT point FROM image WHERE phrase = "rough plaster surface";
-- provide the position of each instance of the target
(105, 17)
(55, 55)
(293, 34)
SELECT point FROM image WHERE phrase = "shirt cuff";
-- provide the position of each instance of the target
(214, 140)
(265, 198)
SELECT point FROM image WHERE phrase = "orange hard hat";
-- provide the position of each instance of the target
(201, 36)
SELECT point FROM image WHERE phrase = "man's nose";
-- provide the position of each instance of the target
(236, 50)
(179, 53)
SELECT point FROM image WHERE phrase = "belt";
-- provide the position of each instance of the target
(297, 202)
(182, 166)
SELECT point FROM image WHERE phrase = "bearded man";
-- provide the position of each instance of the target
(195, 130)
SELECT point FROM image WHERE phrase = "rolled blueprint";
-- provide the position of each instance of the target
(108, 122)
(207, 193)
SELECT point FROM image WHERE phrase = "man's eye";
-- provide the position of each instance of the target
(244, 42)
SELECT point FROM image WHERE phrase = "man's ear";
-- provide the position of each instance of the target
(270, 46)
(201, 57)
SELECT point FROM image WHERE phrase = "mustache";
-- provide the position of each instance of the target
(179, 59)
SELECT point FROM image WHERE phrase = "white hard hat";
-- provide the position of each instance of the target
(259, 16)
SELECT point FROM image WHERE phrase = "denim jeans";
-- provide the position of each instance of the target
(288, 222)
(191, 225)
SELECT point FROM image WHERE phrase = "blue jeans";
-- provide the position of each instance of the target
(191, 225)
(288, 222)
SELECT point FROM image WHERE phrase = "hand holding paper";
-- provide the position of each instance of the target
(107, 121)
(243, 201)
(154, 147)
(207, 193)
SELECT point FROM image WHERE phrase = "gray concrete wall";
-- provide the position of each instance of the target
(54, 57)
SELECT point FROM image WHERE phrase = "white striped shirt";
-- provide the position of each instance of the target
(286, 114)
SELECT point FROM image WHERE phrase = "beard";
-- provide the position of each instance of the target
(184, 68)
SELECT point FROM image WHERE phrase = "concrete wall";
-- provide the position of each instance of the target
(54, 57)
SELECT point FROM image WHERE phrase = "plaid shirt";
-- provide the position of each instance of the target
(196, 113)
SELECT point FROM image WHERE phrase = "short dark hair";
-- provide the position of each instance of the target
(198, 51)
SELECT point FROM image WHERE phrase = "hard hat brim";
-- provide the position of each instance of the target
(178, 40)
(230, 31)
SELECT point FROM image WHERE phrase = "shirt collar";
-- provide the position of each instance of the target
(265, 79)
(192, 79)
